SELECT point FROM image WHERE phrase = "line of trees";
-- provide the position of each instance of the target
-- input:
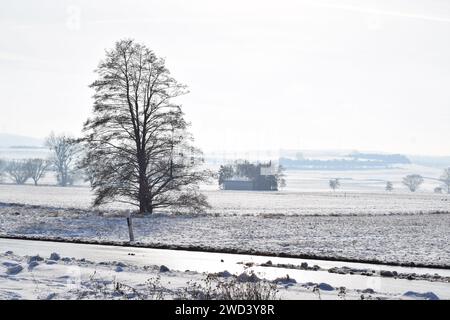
(20, 171)
(412, 182)
(64, 160)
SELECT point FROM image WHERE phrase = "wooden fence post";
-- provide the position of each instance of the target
(130, 227)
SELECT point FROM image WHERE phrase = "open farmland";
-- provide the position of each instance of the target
(360, 221)
(420, 239)
(253, 203)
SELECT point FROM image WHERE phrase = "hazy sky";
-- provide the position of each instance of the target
(367, 75)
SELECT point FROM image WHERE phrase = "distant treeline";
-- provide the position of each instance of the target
(356, 161)
(383, 158)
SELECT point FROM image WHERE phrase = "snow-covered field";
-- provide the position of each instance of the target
(419, 238)
(360, 222)
(253, 203)
(47, 270)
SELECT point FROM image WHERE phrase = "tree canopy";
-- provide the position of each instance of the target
(138, 148)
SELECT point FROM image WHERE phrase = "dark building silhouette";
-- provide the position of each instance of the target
(252, 177)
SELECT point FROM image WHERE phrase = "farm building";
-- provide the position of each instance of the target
(237, 184)
(248, 176)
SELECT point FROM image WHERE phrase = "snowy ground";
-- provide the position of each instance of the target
(253, 203)
(33, 270)
(307, 193)
(394, 227)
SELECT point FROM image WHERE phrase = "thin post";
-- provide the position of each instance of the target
(130, 227)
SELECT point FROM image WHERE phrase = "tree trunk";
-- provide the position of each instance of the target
(145, 202)
(145, 206)
(63, 181)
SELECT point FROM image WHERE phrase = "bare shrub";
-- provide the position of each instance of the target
(153, 290)
(210, 288)
(215, 288)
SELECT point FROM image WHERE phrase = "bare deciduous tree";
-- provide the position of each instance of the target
(37, 168)
(137, 146)
(413, 182)
(64, 155)
(17, 171)
(445, 179)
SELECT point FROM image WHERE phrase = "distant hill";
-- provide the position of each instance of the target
(382, 158)
(17, 141)
(353, 161)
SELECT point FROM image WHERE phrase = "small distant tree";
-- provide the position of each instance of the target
(334, 184)
(17, 171)
(445, 179)
(65, 151)
(280, 176)
(438, 190)
(413, 182)
(36, 169)
(389, 186)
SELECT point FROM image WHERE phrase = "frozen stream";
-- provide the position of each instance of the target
(212, 262)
